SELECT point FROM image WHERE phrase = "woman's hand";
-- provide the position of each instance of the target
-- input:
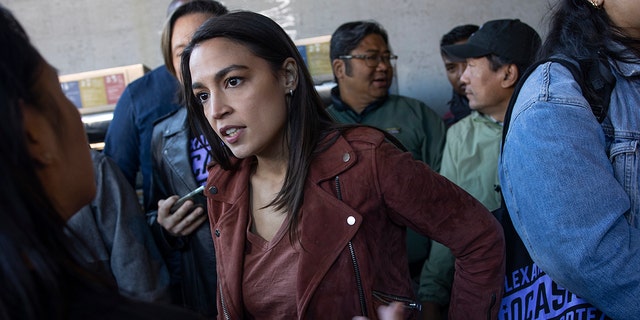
(183, 221)
(393, 311)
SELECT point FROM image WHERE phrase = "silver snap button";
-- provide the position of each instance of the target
(346, 157)
(351, 220)
(213, 190)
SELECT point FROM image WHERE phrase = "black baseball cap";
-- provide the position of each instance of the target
(510, 39)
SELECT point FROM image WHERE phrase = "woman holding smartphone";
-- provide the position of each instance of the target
(179, 160)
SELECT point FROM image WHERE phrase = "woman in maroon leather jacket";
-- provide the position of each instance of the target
(308, 218)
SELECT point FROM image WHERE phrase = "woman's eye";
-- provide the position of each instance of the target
(202, 96)
(233, 82)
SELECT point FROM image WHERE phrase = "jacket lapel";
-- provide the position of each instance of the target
(229, 216)
(176, 153)
(326, 231)
(329, 225)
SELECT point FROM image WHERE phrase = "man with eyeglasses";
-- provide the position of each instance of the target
(363, 68)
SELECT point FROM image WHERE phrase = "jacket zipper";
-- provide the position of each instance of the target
(354, 260)
(389, 298)
(363, 304)
(491, 304)
(225, 312)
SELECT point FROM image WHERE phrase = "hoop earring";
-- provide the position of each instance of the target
(594, 3)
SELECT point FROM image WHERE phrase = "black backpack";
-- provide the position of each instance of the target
(596, 82)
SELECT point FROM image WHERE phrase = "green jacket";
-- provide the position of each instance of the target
(470, 157)
(418, 128)
(470, 160)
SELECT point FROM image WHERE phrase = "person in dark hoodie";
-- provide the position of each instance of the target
(459, 104)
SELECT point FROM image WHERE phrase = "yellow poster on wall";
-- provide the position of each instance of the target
(315, 52)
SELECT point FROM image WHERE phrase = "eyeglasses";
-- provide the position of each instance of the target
(372, 60)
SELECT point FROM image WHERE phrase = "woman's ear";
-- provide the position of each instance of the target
(290, 75)
(39, 135)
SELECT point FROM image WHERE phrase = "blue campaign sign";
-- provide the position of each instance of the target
(71, 89)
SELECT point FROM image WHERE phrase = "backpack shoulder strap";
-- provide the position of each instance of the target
(597, 87)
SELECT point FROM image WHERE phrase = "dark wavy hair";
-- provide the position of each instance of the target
(581, 31)
(37, 266)
(307, 122)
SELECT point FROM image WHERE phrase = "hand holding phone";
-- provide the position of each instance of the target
(186, 197)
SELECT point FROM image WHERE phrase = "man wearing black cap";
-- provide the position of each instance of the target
(497, 55)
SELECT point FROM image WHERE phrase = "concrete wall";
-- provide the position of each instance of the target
(85, 35)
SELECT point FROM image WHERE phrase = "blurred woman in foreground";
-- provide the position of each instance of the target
(46, 175)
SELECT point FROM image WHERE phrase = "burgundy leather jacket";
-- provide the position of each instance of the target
(361, 194)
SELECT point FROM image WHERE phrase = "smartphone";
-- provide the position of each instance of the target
(186, 197)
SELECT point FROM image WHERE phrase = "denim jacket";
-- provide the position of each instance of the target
(572, 186)
(128, 138)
